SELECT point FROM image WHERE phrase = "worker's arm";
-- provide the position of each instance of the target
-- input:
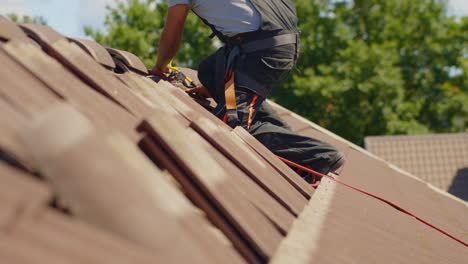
(171, 36)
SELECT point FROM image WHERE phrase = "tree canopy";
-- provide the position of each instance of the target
(366, 67)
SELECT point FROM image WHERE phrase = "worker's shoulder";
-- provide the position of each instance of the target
(180, 2)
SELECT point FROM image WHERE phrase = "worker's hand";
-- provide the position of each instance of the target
(174, 76)
(200, 91)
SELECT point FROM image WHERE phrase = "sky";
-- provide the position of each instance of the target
(70, 16)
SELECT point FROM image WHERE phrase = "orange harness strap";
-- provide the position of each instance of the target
(231, 117)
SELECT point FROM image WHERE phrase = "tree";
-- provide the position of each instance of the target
(373, 67)
(366, 67)
(27, 19)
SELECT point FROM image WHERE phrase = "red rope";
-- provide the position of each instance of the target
(394, 205)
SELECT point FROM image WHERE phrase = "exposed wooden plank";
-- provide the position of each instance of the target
(178, 206)
(96, 51)
(164, 93)
(130, 60)
(9, 144)
(10, 31)
(28, 192)
(94, 105)
(81, 64)
(194, 114)
(96, 76)
(275, 212)
(376, 176)
(144, 87)
(97, 241)
(22, 89)
(197, 107)
(261, 172)
(255, 194)
(282, 168)
(359, 228)
(16, 203)
(92, 172)
(160, 157)
(65, 245)
(20, 249)
(301, 244)
(185, 147)
(161, 96)
(42, 34)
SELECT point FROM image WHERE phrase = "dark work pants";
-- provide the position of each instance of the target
(260, 73)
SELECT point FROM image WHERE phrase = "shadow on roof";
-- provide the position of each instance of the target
(460, 184)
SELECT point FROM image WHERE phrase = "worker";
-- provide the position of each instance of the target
(261, 45)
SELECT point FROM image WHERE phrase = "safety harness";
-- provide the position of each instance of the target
(237, 49)
(278, 28)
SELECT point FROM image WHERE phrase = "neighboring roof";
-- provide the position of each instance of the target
(102, 164)
(441, 160)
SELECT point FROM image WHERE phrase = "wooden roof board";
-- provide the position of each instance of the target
(148, 90)
(104, 194)
(43, 35)
(252, 165)
(179, 207)
(291, 176)
(19, 249)
(359, 228)
(10, 31)
(23, 187)
(130, 60)
(9, 144)
(96, 51)
(94, 105)
(421, 199)
(51, 244)
(254, 193)
(194, 114)
(64, 244)
(97, 240)
(183, 145)
(75, 59)
(376, 176)
(160, 157)
(182, 96)
(96, 76)
(22, 89)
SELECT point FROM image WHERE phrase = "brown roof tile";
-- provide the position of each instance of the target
(127, 208)
(353, 227)
(98, 52)
(433, 158)
(130, 60)
(10, 31)
(189, 150)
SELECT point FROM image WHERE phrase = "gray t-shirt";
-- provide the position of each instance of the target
(230, 17)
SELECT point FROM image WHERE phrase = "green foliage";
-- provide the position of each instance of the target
(366, 67)
(27, 19)
(373, 67)
(136, 25)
